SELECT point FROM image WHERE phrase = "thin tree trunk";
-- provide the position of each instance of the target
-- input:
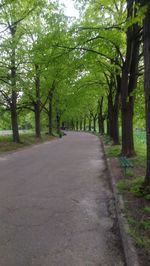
(81, 124)
(100, 116)
(109, 112)
(50, 113)
(84, 124)
(14, 116)
(147, 89)
(114, 128)
(14, 120)
(90, 124)
(72, 125)
(94, 123)
(58, 124)
(108, 126)
(37, 121)
(77, 125)
(37, 104)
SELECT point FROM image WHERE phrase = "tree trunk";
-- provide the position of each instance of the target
(58, 124)
(77, 125)
(147, 88)
(128, 83)
(14, 116)
(127, 132)
(14, 120)
(50, 114)
(101, 125)
(72, 126)
(90, 124)
(37, 104)
(94, 123)
(81, 124)
(115, 128)
(100, 116)
(108, 126)
(37, 121)
(110, 110)
(84, 124)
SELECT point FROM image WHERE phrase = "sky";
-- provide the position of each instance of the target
(69, 10)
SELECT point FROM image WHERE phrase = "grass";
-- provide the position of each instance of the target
(140, 148)
(131, 185)
(140, 241)
(7, 144)
(137, 199)
(113, 151)
(137, 209)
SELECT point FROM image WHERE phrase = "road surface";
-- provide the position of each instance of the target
(56, 206)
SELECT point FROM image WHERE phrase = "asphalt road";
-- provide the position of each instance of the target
(56, 206)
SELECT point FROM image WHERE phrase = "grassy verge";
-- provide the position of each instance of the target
(137, 200)
(6, 143)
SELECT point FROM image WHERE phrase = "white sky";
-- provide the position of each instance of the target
(70, 9)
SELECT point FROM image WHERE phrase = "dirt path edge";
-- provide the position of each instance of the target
(129, 249)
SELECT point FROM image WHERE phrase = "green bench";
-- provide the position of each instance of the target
(125, 163)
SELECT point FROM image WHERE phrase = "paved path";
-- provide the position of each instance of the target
(56, 206)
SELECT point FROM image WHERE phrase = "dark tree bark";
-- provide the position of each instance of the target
(50, 114)
(58, 120)
(84, 122)
(49, 109)
(72, 125)
(77, 125)
(101, 117)
(13, 107)
(108, 124)
(37, 104)
(113, 108)
(147, 88)
(94, 122)
(90, 123)
(114, 127)
(129, 82)
(81, 124)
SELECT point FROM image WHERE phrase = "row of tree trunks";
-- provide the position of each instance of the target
(82, 125)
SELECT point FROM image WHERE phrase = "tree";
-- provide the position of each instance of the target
(147, 86)
(12, 16)
(129, 80)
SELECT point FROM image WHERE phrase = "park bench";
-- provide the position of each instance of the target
(125, 163)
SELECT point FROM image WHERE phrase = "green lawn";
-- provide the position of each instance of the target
(137, 200)
(6, 143)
